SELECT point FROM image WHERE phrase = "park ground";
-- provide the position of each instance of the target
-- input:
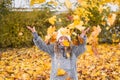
(33, 64)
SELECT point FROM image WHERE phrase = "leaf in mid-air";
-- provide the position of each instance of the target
(61, 72)
(32, 2)
(68, 4)
(66, 43)
(52, 20)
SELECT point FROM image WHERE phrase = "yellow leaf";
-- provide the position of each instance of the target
(53, 2)
(52, 20)
(81, 41)
(100, 8)
(68, 4)
(76, 17)
(59, 20)
(76, 22)
(74, 33)
(50, 30)
(53, 37)
(71, 26)
(25, 76)
(107, 28)
(66, 43)
(111, 19)
(68, 55)
(64, 31)
(61, 72)
(81, 28)
(47, 37)
(32, 2)
(82, 2)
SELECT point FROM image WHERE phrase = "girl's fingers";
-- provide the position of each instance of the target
(30, 28)
(87, 29)
(34, 28)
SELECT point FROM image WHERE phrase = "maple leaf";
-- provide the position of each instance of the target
(66, 43)
(82, 2)
(61, 72)
(68, 55)
(53, 2)
(52, 20)
(68, 4)
(64, 31)
(51, 30)
(32, 2)
(53, 37)
(81, 41)
(111, 19)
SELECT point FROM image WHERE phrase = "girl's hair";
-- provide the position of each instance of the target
(57, 49)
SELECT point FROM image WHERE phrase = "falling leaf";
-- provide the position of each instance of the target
(51, 30)
(71, 26)
(59, 20)
(32, 2)
(53, 2)
(20, 34)
(68, 4)
(75, 42)
(68, 55)
(61, 72)
(76, 17)
(53, 37)
(81, 28)
(82, 2)
(74, 33)
(100, 8)
(107, 28)
(111, 19)
(64, 31)
(81, 41)
(52, 20)
(66, 43)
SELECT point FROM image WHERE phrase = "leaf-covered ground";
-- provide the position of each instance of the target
(33, 64)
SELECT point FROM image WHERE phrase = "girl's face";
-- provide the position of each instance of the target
(61, 39)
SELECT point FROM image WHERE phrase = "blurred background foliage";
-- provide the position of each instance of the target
(13, 31)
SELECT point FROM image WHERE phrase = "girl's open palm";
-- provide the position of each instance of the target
(31, 29)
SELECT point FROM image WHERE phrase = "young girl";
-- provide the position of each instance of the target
(63, 58)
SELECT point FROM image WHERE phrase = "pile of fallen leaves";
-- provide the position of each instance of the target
(33, 64)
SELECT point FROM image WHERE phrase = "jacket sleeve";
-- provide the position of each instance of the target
(41, 44)
(77, 50)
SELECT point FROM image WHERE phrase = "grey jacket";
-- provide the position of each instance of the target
(69, 65)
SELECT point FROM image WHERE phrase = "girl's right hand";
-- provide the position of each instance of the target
(31, 29)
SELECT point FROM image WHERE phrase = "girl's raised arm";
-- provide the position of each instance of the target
(40, 43)
(77, 50)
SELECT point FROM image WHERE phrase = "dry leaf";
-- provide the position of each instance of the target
(61, 72)
(51, 30)
(111, 19)
(66, 43)
(81, 28)
(68, 55)
(52, 20)
(32, 2)
(68, 4)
